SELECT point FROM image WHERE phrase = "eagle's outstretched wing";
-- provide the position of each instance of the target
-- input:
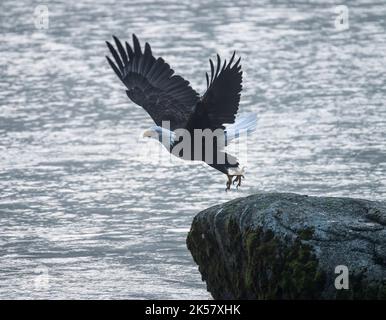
(220, 102)
(151, 84)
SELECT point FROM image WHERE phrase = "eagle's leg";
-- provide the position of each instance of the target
(238, 180)
(229, 182)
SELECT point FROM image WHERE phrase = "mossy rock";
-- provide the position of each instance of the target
(287, 246)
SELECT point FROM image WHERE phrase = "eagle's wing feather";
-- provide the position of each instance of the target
(220, 102)
(151, 84)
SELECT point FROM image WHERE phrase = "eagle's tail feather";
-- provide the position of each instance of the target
(243, 126)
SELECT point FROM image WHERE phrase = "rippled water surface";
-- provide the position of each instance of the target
(85, 212)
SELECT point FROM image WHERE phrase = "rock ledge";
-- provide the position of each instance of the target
(287, 246)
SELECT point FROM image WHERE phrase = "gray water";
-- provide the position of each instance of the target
(84, 215)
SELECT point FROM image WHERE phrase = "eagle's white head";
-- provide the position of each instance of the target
(165, 136)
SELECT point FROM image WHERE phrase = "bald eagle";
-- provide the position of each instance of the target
(175, 106)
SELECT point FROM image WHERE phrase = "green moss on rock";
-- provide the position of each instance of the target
(278, 269)
(264, 266)
(306, 233)
(286, 246)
